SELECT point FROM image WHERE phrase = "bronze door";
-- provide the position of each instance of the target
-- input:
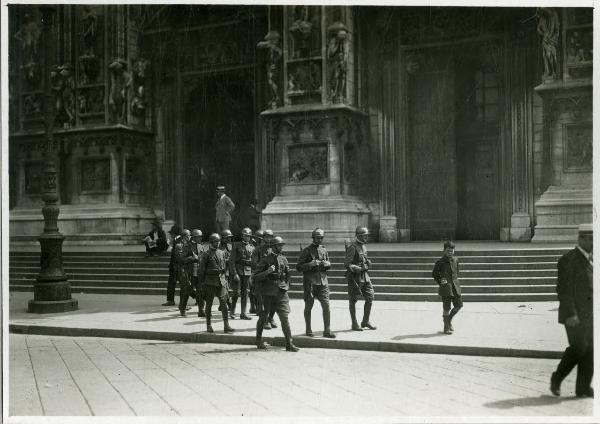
(219, 130)
(432, 146)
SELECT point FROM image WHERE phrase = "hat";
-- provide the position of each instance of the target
(221, 188)
(586, 229)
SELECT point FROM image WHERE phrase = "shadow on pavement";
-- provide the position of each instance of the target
(542, 400)
(420, 336)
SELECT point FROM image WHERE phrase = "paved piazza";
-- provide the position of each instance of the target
(100, 376)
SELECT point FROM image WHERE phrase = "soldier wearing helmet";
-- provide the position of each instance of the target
(269, 237)
(258, 242)
(198, 249)
(184, 265)
(257, 237)
(273, 276)
(211, 273)
(259, 253)
(314, 263)
(357, 275)
(226, 246)
(175, 233)
(241, 271)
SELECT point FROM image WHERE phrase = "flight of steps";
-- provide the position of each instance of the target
(519, 275)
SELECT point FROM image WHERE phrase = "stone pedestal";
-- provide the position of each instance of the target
(387, 229)
(520, 227)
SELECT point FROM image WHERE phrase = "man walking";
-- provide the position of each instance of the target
(211, 272)
(184, 263)
(575, 311)
(357, 276)
(273, 275)
(198, 251)
(226, 247)
(268, 239)
(175, 233)
(257, 242)
(314, 263)
(223, 209)
(241, 271)
(445, 273)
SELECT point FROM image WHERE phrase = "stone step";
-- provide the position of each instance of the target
(407, 297)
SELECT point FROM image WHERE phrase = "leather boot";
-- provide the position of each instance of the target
(367, 313)
(209, 328)
(287, 332)
(201, 312)
(226, 326)
(232, 307)
(355, 325)
(447, 325)
(252, 304)
(307, 321)
(326, 323)
(272, 319)
(243, 306)
(453, 312)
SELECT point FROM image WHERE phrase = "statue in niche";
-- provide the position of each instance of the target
(301, 30)
(271, 44)
(29, 35)
(120, 81)
(138, 104)
(337, 54)
(63, 86)
(549, 28)
(89, 62)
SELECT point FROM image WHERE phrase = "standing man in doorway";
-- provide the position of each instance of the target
(223, 209)
(575, 311)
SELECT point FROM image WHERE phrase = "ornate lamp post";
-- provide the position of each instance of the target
(52, 291)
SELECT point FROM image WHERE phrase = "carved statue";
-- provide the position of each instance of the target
(119, 85)
(29, 35)
(88, 61)
(301, 30)
(271, 44)
(138, 104)
(337, 54)
(549, 28)
(63, 86)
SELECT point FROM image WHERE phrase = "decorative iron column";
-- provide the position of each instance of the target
(52, 291)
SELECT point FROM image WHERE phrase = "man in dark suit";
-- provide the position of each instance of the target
(445, 273)
(156, 240)
(223, 209)
(314, 263)
(575, 311)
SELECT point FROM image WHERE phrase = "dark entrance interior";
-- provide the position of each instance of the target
(454, 115)
(219, 148)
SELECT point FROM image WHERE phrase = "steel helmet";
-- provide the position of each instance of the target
(277, 240)
(362, 230)
(246, 232)
(226, 233)
(268, 233)
(196, 233)
(214, 237)
(318, 232)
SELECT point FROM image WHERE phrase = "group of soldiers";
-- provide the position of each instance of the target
(256, 269)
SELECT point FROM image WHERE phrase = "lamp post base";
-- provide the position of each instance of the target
(51, 306)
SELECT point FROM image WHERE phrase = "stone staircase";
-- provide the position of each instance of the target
(518, 275)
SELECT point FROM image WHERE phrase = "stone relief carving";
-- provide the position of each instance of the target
(95, 174)
(29, 34)
(32, 106)
(89, 62)
(308, 163)
(271, 44)
(120, 82)
(305, 76)
(301, 30)
(63, 87)
(579, 150)
(138, 103)
(337, 55)
(90, 100)
(549, 28)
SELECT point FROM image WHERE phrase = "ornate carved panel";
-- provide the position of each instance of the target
(95, 175)
(304, 27)
(34, 177)
(578, 148)
(308, 163)
(90, 33)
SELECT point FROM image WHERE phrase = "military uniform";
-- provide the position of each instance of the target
(211, 272)
(184, 263)
(226, 249)
(274, 293)
(198, 250)
(446, 269)
(359, 283)
(241, 266)
(315, 283)
(259, 253)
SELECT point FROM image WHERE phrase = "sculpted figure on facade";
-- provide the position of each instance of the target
(63, 87)
(337, 54)
(549, 28)
(89, 62)
(138, 104)
(271, 44)
(301, 30)
(29, 35)
(120, 81)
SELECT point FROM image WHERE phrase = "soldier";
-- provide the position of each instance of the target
(184, 263)
(175, 233)
(445, 273)
(198, 250)
(257, 241)
(211, 272)
(314, 263)
(225, 246)
(268, 238)
(241, 271)
(357, 275)
(273, 276)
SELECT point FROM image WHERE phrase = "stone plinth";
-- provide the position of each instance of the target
(387, 229)
(294, 218)
(559, 212)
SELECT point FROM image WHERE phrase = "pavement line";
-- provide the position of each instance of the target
(280, 341)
